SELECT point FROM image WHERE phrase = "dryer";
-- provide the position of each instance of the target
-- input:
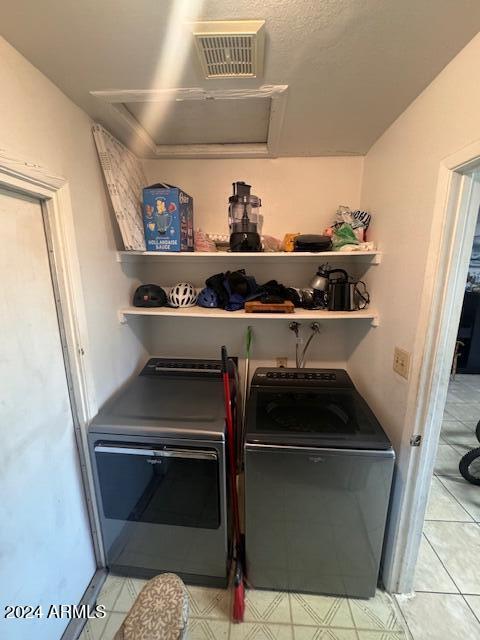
(158, 456)
(318, 473)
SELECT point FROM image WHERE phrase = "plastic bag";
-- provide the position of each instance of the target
(358, 220)
(343, 235)
(343, 215)
(270, 243)
(202, 242)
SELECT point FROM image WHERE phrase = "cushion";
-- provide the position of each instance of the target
(160, 611)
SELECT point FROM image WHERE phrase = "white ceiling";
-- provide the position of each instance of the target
(352, 66)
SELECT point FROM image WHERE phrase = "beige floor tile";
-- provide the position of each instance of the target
(109, 591)
(471, 379)
(463, 411)
(199, 629)
(94, 629)
(467, 494)
(447, 427)
(457, 433)
(128, 594)
(209, 603)
(261, 631)
(382, 635)
(322, 633)
(458, 547)
(320, 611)
(267, 606)
(471, 424)
(113, 624)
(376, 613)
(454, 395)
(434, 616)
(461, 394)
(464, 448)
(446, 463)
(443, 506)
(474, 604)
(430, 574)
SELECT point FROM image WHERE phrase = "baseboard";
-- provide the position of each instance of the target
(75, 627)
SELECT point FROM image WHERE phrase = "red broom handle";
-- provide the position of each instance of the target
(231, 441)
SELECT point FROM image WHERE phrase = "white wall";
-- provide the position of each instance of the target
(40, 124)
(298, 194)
(400, 179)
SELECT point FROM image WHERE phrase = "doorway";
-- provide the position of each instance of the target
(447, 595)
(446, 573)
(47, 549)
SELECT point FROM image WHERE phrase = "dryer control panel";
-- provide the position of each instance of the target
(182, 367)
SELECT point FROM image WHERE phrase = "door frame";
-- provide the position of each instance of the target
(455, 214)
(53, 192)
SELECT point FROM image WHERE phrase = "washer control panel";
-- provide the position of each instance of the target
(288, 375)
(338, 378)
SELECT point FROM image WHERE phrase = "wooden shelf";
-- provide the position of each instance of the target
(201, 312)
(372, 257)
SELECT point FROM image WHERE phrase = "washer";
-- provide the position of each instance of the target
(318, 473)
(158, 456)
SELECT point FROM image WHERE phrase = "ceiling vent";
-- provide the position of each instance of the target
(230, 49)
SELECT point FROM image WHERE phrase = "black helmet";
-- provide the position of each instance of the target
(149, 295)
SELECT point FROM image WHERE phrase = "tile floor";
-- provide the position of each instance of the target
(447, 583)
(269, 615)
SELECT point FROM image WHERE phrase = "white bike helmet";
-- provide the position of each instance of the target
(182, 294)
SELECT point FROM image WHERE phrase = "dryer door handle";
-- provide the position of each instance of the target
(189, 454)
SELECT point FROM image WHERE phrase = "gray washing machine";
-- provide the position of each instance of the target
(158, 455)
(318, 473)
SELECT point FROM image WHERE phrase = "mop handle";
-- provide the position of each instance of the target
(230, 439)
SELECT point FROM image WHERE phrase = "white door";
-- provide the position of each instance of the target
(46, 550)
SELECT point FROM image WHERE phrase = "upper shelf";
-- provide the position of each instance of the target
(372, 257)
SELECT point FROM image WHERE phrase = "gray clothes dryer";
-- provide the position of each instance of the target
(158, 455)
(318, 473)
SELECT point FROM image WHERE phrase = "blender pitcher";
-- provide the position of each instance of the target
(244, 219)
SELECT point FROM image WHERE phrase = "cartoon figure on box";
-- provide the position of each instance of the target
(163, 217)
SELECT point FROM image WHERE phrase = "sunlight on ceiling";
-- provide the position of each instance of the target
(173, 53)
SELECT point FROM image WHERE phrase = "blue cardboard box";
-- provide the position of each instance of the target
(167, 218)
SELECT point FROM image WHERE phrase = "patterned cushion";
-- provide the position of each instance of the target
(159, 613)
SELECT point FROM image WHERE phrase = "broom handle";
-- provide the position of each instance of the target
(230, 443)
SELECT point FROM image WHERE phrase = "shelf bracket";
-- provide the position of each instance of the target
(122, 318)
(375, 322)
(376, 259)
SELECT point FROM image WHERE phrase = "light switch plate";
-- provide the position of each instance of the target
(401, 362)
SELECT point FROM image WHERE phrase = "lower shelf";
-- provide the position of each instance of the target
(201, 312)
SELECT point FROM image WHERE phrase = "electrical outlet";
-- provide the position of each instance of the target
(401, 362)
(282, 362)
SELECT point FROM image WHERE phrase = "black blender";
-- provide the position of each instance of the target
(244, 219)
